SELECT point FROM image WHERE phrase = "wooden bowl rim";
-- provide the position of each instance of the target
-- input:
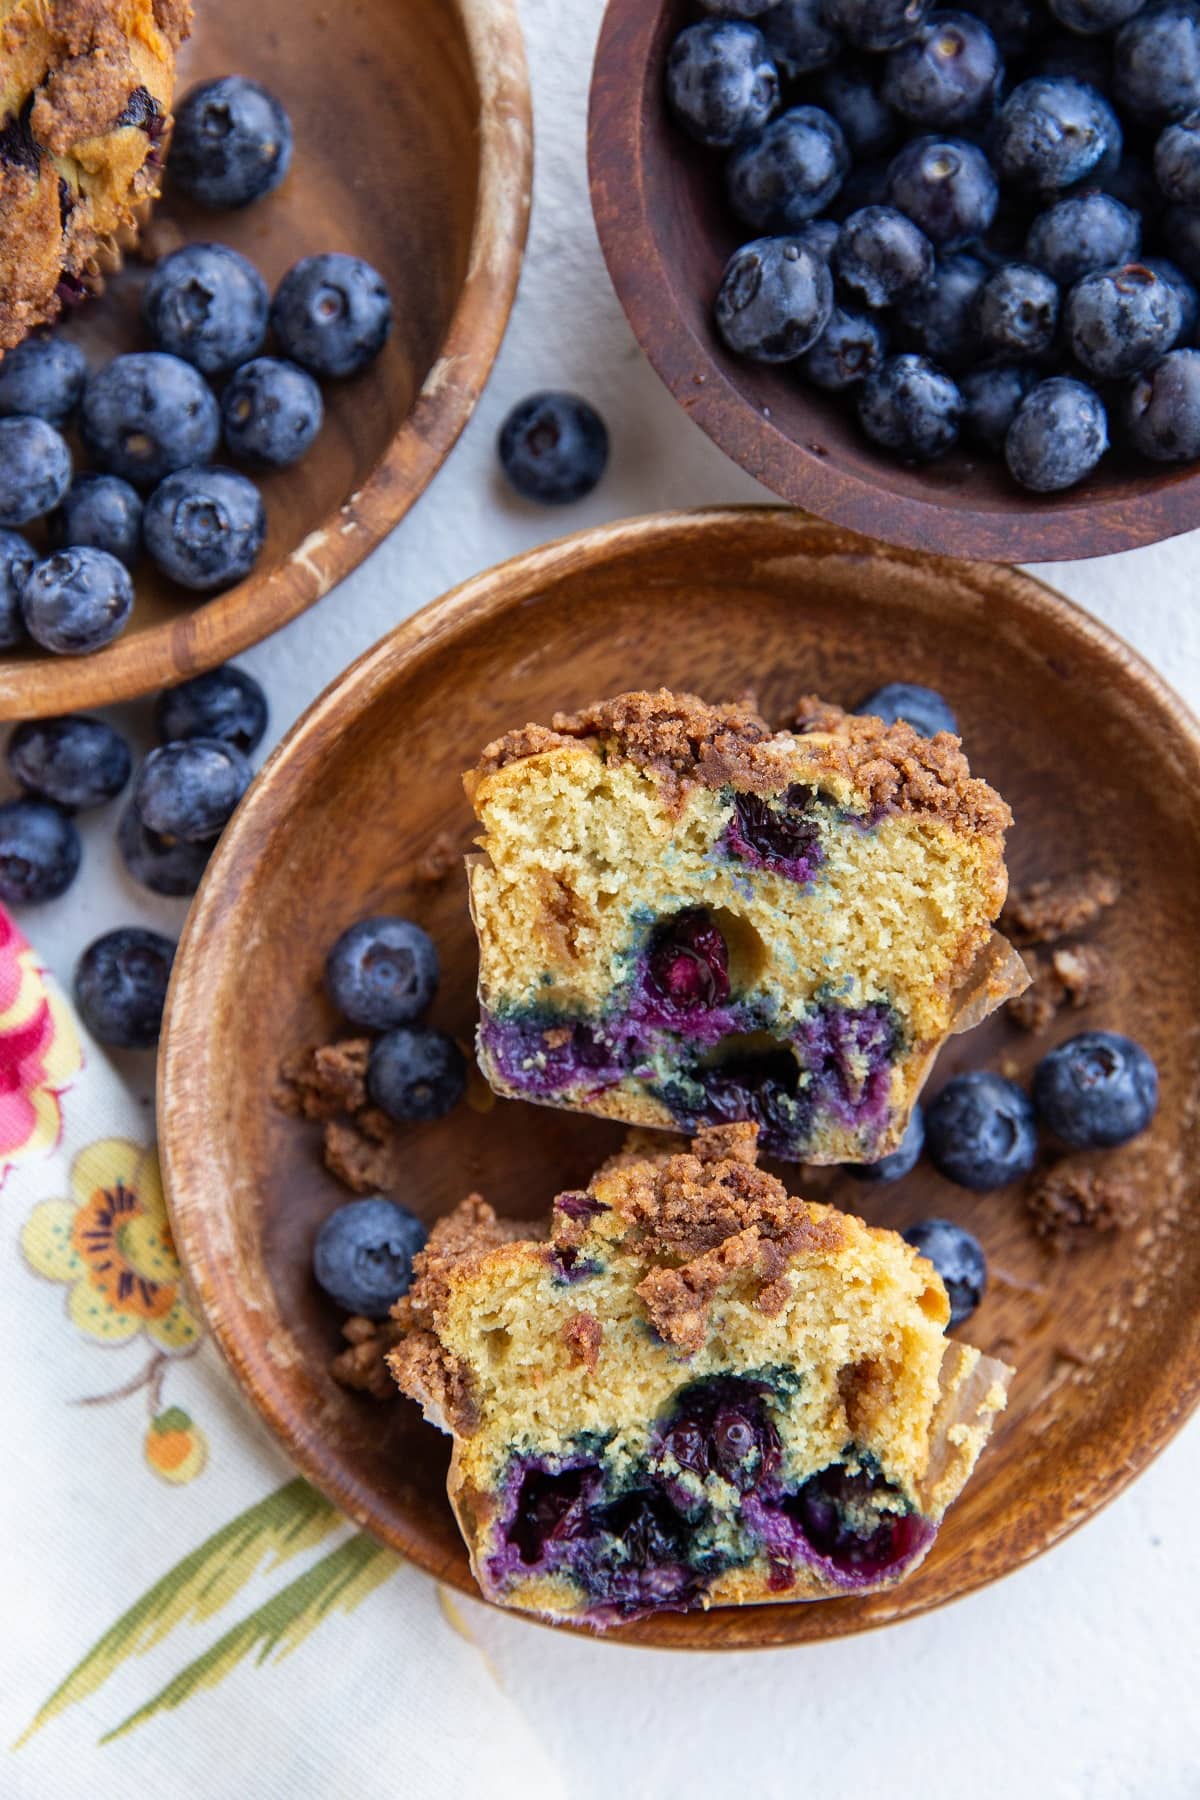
(211, 632)
(1052, 528)
(190, 1135)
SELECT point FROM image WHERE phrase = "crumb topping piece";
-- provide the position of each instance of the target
(1058, 907)
(1071, 1200)
(1072, 975)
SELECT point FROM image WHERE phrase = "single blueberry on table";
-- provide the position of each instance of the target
(40, 852)
(232, 142)
(849, 93)
(1156, 63)
(1058, 435)
(980, 1131)
(1162, 408)
(189, 789)
(121, 986)
(775, 300)
(102, 511)
(332, 314)
(1176, 170)
(17, 557)
(921, 707)
(721, 82)
(911, 407)
(958, 1258)
(416, 1075)
(939, 320)
(145, 414)
(948, 73)
(1017, 312)
(881, 256)
(851, 347)
(35, 469)
(76, 762)
(1081, 233)
(788, 172)
(224, 703)
(382, 972)
(946, 186)
(76, 601)
(1118, 320)
(799, 38)
(363, 1255)
(1052, 131)
(205, 527)
(1096, 1091)
(271, 411)
(876, 24)
(1094, 15)
(164, 865)
(553, 448)
(898, 1162)
(42, 378)
(208, 305)
(991, 400)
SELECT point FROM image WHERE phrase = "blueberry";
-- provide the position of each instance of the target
(413, 1075)
(17, 558)
(1059, 434)
(1181, 231)
(1017, 311)
(224, 703)
(189, 789)
(76, 601)
(881, 256)
(876, 24)
(946, 186)
(1189, 299)
(208, 305)
(798, 37)
(102, 511)
(121, 986)
(1156, 63)
(1176, 170)
(819, 236)
(851, 347)
(205, 527)
(959, 1260)
(363, 1255)
(939, 320)
(1081, 233)
(42, 378)
(991, 399)
(232, 142)
(788, 172)
(850, 95)
(1013, 24)
(382, 972)
(332, 314)
(146, 414)
(921, 707)
(980, 1131)
(912, 407)
(948, 73)
(164, 865)
(1162, 408)
(784, 834)
(902, 1160)
(721, 82)
(687, 963)
(1052, 131)
(1096, 1091)
(39, 852)
(270, 413)
(1119, 320)
(553, 448)
(35, 469)
(1094, 15)
(775, 300)
(1132, 183)
(77, 762)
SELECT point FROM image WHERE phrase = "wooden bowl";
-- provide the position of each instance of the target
(413, 149)
(1102, 764)
(667, 235)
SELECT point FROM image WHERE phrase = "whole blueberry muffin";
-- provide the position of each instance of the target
(694, 1391)
(686, 918)
(85, 106)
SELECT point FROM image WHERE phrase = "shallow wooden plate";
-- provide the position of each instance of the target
(1102, 765)
(413, 149)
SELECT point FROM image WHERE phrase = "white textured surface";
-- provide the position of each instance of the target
(1075, 1677)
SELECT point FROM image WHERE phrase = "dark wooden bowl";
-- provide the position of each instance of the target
(667, 235)
(1102, 764)
(413, 149)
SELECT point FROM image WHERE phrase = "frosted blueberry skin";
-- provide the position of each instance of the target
(1053, 131)
(42, 378)
(1017, 311)
(774, 301)
(121, 986)
(206, 304)
(232, 142)
(204, 528)
(1156, 63)
(1097, 1090)
(271, 412)
(146, 414)
(721, 81)
(17, 558)
(189, 790)
(946, 186)
(921, 707)
(788, 172)
(74, 761)
(1162, 408)
(958, 1258)
(1189, 299)
(980, 1131)
(553, 448)
(332, 314)
(940, 321)
(76, 601)
(911, 407)
(168, 866)
(851, 95)
(881, 256)
(1058, 435)
(1081, 233)
(225, 703)
(991, 401)
(877, 24)
(851, 347)
(35, 469)
(414, 1075)
(948, 73)
(382, 972)
(40, 852)
(899, 1162)
(1117, 321)
(798, 36)
(1176, 165)
(102, 511)
(363, 1255)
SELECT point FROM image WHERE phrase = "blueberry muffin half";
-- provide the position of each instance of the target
(695, 1391)
(686, 918)
(85, 106)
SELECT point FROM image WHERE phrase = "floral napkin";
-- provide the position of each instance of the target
(164, 1573)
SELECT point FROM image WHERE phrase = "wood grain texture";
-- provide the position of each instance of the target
(1102, 765)
(413, 149)
(667, 234)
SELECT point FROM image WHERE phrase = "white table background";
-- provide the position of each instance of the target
(1076, 1676)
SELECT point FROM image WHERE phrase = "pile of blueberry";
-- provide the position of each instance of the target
(150, 423)
(981, 223)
